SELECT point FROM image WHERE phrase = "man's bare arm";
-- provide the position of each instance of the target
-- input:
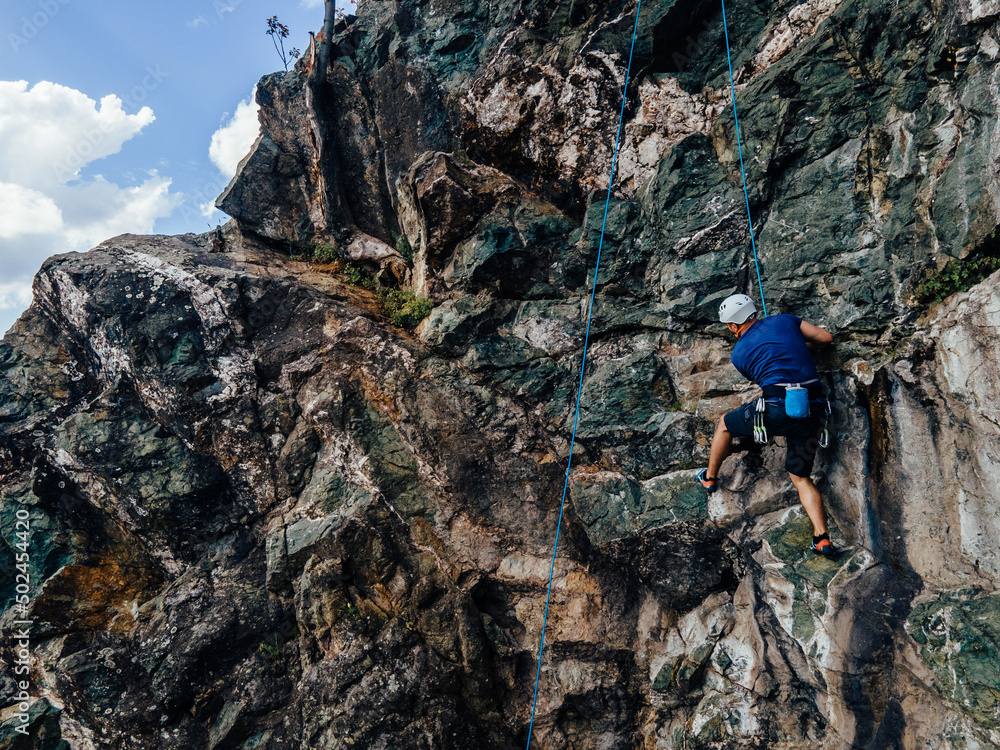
(815, 336)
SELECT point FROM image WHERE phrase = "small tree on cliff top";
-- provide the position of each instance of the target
(278, 33)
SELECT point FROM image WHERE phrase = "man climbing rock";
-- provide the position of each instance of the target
(775, 353)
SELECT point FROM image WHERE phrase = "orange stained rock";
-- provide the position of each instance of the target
(97, 596)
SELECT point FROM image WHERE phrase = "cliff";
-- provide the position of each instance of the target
(263, 515)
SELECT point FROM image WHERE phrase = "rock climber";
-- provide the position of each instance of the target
(776, 353)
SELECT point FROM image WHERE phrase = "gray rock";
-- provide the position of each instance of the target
(264, 517)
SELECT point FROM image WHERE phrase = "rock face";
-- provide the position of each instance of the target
(260, 515)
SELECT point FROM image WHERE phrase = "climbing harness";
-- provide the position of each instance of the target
(583, 365)
(739, 149)
(760, 435)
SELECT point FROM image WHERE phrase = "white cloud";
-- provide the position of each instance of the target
(208, 209)
(194, 23)
(26, 211)
(13, 299)
(50, 132)
(233, 141)
(312, 3)
(48, 135)
(14, 296)
(103, 209)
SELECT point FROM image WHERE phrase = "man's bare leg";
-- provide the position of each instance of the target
(811, 501)
(722, 446)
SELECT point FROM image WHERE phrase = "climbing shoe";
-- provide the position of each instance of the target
(706, 482)
(823, 546)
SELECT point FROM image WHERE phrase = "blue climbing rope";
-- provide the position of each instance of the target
(583, 365)
(739, 148)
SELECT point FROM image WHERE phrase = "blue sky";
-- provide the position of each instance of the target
(108, 110)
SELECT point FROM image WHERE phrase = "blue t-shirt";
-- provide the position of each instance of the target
(774, 351)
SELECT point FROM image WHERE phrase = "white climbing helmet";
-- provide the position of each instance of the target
(736, 309)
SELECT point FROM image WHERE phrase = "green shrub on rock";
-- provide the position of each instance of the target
(404, 248)
(359, 276)
(406, 308)
(960, 275)
(956, 276)
(323, 253)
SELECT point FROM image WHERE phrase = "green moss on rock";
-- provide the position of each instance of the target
(958, 634)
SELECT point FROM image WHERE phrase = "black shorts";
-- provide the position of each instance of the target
(801, 435)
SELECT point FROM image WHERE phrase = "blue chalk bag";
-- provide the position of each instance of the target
(796, 401)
